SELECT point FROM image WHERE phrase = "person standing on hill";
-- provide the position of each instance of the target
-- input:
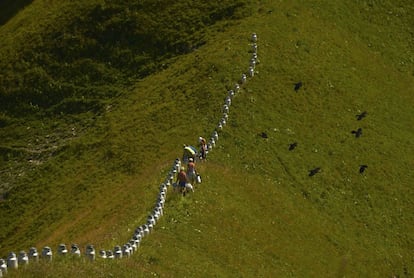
(203, 148)
(182, 179)
(191, 171)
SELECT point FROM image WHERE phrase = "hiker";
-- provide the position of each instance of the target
(203, 147)
(191, 171)
(188, 152)
(182, 179)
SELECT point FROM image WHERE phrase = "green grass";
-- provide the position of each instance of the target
(257, 213)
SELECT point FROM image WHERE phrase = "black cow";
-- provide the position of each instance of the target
(362, 168)
(293, 146)
(357, 132)
(298, 86)
(362, 115)
(314, 171)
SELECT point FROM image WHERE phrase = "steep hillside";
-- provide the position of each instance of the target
(62, 65)
(65, 67)
(258, 212)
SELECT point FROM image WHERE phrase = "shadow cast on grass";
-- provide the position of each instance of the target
(9, 8)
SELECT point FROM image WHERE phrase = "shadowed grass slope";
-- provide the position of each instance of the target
(9, 8)
(258, 213)
(63, 64)
(57, 161)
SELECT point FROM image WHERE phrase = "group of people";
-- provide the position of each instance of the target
(192, 152)
(186, 178)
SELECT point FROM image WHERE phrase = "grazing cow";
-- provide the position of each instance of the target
(215, 135)
(264, 135)
(298, 86)
(158, 209)
(23, 259)
(253, 63)
(126, 252)
(62, 249)
(156, 215)
(74, 250)
(163, 186)
(3, 266)
(47, 253)
(33, 254)
(243, 78)
(251, 71)
(102, 254)
(150, 226)
(133, 244)
(131, 249)
(12, 261)
(109, 254)
(137, 238)
(314, 171)
(90, 252)
(293, 146)
(254, 37)
(255, 58)
(225, 108)
(362, 168)
(236, 88)
(357, 132)
(151, 220)
(228, 101)
(361, 115)
(212, 142)
(177, 163)
(139, 232)
(118, 252)
(254, 48)
(146, 229)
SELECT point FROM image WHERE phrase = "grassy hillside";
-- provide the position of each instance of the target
(53, 129)
(64, 65)
(258, 212)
